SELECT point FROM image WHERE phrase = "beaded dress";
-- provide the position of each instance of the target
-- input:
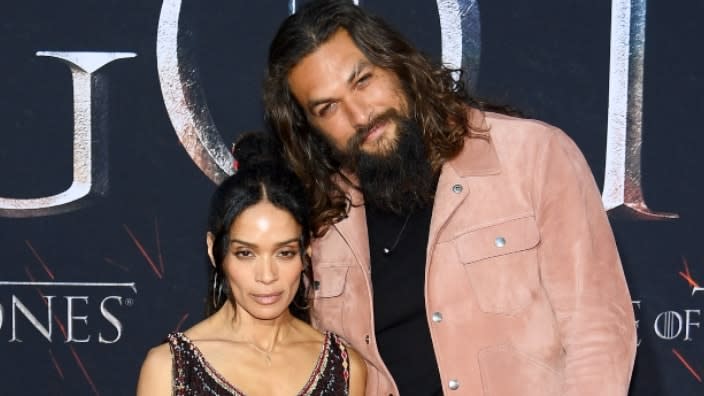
(193, 375)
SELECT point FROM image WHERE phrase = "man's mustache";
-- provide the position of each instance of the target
(362, 131)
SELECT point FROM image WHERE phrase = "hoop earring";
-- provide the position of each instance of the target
(217, 291)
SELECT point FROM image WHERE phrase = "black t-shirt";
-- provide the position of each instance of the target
(398, 280)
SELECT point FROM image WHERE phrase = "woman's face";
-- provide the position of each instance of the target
(263, 262)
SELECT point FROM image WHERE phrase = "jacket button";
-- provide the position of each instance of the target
(366, 338)
(500, 242)
(453, 384)
(457, 188)
(436, 317)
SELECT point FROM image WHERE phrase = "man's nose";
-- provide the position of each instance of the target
(358, 112)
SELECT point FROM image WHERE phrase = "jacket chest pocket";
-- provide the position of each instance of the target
(501, 262)
(328, 303)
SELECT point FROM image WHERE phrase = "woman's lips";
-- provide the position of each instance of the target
(268, 298)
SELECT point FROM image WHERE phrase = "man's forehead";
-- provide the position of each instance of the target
(331, 64)
(339, 44)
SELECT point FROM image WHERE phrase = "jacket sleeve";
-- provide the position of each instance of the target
(581, 271)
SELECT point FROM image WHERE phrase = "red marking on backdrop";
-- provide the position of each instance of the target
(158, 246)
(62, 328)
(43, 298)
(143, 251)
(83, 370)
(687, 365)
(39, 258)
(56, 364)
(120, 266)
(180, 322)
(687, 275)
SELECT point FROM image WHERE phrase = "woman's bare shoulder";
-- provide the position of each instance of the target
(159, 354)
(155, 375)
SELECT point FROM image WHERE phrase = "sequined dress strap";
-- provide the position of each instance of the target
(331, 375)
(192, 375)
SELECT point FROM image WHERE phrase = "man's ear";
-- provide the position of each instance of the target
(210, 240)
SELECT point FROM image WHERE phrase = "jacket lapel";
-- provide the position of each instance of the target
(477, 158)
(354, 229)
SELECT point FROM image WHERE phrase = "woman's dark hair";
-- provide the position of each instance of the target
(437, 101)
(262, 175)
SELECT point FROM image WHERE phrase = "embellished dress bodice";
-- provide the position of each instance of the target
(193, 375)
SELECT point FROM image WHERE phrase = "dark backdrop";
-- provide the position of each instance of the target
(125, 265)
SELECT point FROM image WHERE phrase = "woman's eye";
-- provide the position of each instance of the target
(243, 253)
(288, 253)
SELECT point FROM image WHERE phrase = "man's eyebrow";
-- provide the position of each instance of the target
(356, 71)
(358, 68)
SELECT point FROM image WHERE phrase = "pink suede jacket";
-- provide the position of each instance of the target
(524, 288)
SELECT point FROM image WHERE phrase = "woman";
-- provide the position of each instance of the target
(257, 340)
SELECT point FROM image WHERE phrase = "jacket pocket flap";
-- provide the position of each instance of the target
(330, 281)
(498, 239)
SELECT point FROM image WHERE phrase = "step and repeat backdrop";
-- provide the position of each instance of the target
(117, 116)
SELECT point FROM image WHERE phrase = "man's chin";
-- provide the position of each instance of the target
(375, 151)
(382, 147)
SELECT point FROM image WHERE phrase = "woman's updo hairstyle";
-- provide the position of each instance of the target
(261, 174)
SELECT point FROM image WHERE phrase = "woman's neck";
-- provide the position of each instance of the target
(264, 334)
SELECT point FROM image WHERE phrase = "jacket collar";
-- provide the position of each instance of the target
(478, 157)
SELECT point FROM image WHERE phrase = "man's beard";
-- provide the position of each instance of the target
(398, 179)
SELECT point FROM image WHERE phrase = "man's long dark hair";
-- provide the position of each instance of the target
(437, 101)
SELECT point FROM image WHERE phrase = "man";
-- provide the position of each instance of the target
(459, 251)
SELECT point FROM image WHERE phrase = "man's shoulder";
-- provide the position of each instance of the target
(522, 134)
(510, 142)
(502, 126)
